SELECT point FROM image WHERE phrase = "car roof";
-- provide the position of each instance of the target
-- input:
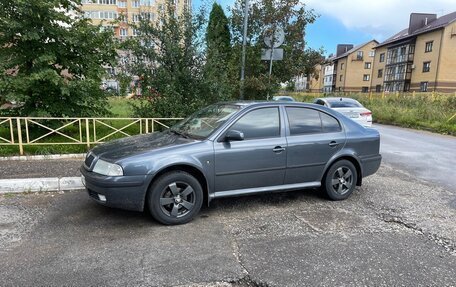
(334, 99)
(246, 104)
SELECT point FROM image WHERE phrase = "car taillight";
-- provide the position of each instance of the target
(366, 114)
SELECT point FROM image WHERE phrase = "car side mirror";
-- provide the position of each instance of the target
(233, 135)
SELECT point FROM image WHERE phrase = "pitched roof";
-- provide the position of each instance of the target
(434, 25)
(353, 50)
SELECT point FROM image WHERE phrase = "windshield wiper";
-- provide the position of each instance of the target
(179, 133)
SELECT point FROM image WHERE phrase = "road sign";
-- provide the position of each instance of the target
(277, 34)
(276, 56)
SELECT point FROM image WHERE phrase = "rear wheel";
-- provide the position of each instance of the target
(175, 198)
(340, 180)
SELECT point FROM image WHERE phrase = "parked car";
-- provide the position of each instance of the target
(283, 98)
(349, 107)
(232, 149)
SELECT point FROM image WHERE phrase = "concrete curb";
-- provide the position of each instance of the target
(40, 184)
(44, 157)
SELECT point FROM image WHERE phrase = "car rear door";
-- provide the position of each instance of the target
(257, 161)
(313, 137)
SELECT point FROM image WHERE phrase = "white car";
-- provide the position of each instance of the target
(349, 107)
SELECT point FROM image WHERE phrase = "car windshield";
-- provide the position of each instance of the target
(344, 104)
(204, 122)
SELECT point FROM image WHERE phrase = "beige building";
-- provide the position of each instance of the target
(128, 11)
(315, 80)
(353, 68)
(418, 58)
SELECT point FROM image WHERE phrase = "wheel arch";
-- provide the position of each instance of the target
(351, 158)
(190, 169)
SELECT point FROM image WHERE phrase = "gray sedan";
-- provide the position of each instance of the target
(232, 149)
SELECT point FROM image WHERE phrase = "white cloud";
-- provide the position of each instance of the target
(379, 18)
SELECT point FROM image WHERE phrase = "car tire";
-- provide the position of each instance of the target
(340, 180)
(175, 198)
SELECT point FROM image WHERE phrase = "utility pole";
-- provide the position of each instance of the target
(244, 44)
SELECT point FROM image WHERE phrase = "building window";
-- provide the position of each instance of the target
(122, 4)
(366, 77)
(341, 66)
(426, 67)
(424, 86)
(340, 78)
(147, 2)
(359, 55)
(380, 73)
(123, 17)
(382, 57)
(371, 53)
(136, 18)
(107, 2)
(135, 32)
(87, 1)
(123, 32)
(365, 89)
(378, 88)
(428, 47)
(135, 4)
(367, 65)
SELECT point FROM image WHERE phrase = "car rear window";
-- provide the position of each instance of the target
(344, 104)
(309, 121)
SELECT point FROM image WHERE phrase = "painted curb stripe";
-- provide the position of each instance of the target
(40, 184)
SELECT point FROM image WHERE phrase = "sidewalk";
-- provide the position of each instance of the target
(40, 175)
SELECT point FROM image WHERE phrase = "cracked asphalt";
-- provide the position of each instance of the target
(398, 229)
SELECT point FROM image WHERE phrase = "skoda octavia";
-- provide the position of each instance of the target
(232, 149)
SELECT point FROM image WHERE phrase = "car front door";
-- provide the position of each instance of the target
(259, 160)
(313, 137)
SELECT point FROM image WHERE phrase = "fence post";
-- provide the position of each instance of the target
(11, 130)
(19, 136)
(383, 94)
(87, 133)
(413, 94)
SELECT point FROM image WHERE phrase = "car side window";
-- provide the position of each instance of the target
(320, 102)
(303, 121)
(329, 123)
(260, 123)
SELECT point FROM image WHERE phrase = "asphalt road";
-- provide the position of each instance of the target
(397, 229)
(427, 156)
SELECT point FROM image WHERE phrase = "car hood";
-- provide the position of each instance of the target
(126, 147)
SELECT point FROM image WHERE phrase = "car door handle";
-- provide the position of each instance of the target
(333, 144)
(278, 149)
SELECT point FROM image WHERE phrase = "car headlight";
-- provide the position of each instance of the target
(107, 168)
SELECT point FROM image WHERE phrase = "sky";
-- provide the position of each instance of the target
(359, 21)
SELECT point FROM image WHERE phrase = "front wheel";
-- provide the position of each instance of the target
(175, 198)
(340, 180)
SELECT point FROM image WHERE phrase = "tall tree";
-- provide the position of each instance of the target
(51, 58)
(168, 61)
(290, 15)
(218, 41)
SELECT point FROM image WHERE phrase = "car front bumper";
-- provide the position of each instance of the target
(124, 192)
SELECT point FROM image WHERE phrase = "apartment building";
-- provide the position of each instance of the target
(353, 68)
(315, 80)
(329, 76)
(418, 58)
(127, 12)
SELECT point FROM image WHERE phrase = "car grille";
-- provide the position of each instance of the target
(88, 161)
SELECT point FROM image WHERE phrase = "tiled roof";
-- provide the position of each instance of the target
(353, 50)
(436, 24)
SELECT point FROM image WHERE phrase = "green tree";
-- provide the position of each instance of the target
(218, 41)
(51, 58)
(290, 15)
(168, 60)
